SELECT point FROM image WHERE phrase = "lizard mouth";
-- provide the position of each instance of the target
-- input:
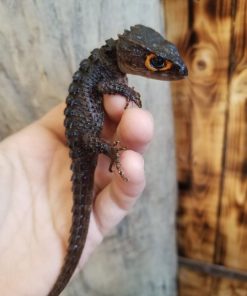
(180, 73)
(167, 76)
(176, 73)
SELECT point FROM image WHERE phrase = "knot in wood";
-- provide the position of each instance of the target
(205, 61)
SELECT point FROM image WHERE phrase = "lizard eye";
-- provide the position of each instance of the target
(157, 63)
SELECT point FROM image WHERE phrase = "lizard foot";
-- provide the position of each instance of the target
(115, 155)
(115, 87)
(136, 98)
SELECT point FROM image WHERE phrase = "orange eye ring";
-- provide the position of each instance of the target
(150, 67)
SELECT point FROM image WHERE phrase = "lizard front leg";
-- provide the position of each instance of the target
(113, 87)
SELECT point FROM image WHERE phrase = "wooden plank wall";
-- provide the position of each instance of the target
(211, 140)
(41, 45)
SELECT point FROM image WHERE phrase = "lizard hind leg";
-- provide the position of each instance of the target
(96, 145)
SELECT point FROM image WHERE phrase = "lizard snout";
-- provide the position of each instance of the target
(183, 71)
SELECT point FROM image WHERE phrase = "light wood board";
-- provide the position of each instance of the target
(211, 141)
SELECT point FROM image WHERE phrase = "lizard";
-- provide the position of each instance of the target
(139, 51)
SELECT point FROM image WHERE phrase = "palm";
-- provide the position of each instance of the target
(36, 200)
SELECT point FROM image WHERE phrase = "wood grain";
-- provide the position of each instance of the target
(41, 45)
(200, 105)
(232, 240)
(211, 139)
(192, 283)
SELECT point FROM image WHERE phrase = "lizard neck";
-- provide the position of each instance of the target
(108, 57)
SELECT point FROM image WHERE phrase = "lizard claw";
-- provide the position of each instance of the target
(115, 155)
(135, 99)
(116, 144)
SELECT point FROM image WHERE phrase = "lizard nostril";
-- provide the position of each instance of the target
(183, 70)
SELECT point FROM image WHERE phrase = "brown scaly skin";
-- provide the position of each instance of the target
(104, 73)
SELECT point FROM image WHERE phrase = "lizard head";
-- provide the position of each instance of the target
(143, 51)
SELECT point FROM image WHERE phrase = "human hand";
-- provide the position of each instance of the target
(36, 198)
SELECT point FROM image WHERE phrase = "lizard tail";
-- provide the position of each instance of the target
(82, 180)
